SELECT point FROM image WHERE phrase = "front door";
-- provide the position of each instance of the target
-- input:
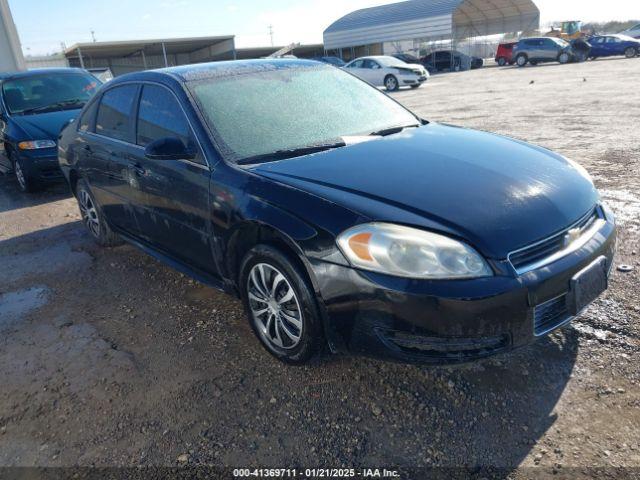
(173, 210)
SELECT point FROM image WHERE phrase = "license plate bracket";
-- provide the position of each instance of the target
(587, 285)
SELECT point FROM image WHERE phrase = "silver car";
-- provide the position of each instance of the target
(542, 49)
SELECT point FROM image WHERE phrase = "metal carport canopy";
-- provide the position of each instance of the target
(431, 19)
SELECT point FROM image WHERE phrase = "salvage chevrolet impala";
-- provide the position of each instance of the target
(339, 217)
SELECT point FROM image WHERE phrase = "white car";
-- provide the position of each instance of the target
(632, 32)
(388, 72)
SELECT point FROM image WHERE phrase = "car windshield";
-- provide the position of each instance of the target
(287, 108)
(561, 42)
(391, 62)
(48, 91)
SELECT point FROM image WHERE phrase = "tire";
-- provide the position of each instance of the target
(26, 183)
(391, 83)
(93, 219)
(630, 52)
(522, 60)
(564, 58)
(502, 61)
(293, 337)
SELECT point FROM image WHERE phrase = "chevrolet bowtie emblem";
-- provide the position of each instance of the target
(571, 236)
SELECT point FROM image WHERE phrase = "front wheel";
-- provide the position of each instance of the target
(564, 57)
(391, 83)
(93, 219)
(281, 305)
(630, 52)
(26, 182)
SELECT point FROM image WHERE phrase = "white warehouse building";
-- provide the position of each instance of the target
(408, 25)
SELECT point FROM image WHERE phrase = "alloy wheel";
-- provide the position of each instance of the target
(89, 213)
(630, 52)
(391, 84)
(274, 307)
(20, 175)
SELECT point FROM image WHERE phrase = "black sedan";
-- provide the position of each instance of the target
(34, 107)
(450, 60)
(338, 216)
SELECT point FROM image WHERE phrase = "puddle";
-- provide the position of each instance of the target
(625, 205)
(16, 305)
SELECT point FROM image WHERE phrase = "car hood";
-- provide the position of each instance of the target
(497, 193)
(44, 126)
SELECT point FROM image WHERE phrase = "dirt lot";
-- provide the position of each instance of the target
(109, 358)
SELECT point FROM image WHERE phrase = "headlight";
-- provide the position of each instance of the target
(409, 252)
(36, 144)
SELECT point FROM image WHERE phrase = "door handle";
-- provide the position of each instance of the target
(139, 169)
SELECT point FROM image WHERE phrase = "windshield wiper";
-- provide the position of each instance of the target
(390, 131)
(65, 103)
(291, 153)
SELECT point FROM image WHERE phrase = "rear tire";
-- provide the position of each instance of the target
(281, 305)
(522, 60)
(391, 83)
(26, 182)
(93, 218)
(630, 52)
(502, 61)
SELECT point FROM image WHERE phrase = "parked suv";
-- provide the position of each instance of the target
(34, 107)
(542, 49)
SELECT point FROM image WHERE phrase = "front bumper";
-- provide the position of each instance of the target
(414, 80)
(457, 321)
(42, 165)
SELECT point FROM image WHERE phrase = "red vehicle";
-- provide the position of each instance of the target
(504, 55)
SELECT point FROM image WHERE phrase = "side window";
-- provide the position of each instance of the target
(357, 64)
(161, 116)
(86, 121)
(114, 113)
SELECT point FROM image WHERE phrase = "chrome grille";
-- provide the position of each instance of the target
(551, 315)
(546, 248)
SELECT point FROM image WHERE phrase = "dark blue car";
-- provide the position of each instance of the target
(337, 215)
(34, 107)
(614, 45)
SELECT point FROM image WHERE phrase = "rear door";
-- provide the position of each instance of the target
(373, 72)
(357, 68)
(105, 153)
(598, 46)
(173, 208)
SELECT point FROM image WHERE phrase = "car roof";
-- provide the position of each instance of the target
(203, 71)
(39, 71)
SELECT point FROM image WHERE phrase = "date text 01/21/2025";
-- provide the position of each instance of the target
(315, 473)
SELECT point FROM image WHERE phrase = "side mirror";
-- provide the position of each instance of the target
(169, 148)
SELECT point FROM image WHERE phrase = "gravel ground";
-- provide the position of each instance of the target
(109, 358)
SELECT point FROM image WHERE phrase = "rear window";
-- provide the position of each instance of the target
(114, 113)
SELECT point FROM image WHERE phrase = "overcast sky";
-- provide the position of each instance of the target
(44, 24)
